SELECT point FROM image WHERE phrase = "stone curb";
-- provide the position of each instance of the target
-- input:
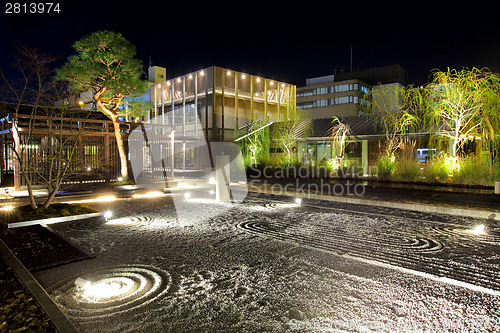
(420, 207)
(60, 321)
(52, 220)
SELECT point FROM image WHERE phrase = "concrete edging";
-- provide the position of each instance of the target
(474, 213)
(60, 321)
(52, 220)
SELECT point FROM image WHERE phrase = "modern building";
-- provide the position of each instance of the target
(225, 102)
(364, 142)
(196, 109)
(344, 94)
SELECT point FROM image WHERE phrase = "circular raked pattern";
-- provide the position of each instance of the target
(114, 290)
(478, 233)
(397, 247)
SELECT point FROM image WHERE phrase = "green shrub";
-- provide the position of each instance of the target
(386, 166)
(407, 170)
(438, 169)
(477, 171)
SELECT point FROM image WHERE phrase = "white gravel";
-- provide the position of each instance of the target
(262, 267)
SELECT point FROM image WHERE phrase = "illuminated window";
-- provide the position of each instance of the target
(342, 88)
(305, 93)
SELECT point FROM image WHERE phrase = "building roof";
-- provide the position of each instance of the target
(361, 127)
(378, 75)
(321, 128)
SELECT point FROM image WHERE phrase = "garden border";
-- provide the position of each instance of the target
(53, 220)
(60, 321)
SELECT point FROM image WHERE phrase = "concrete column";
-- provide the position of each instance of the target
(16, 164)
(222, 178)
(364, 156)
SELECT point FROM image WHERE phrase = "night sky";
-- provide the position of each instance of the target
(285, 41)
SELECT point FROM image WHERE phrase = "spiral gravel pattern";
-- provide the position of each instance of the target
(113, 290)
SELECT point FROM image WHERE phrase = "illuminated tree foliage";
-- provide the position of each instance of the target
(106, 65)
(255, 147)
(339, 134)
(463, 105)
(395, 109)
(285, 133)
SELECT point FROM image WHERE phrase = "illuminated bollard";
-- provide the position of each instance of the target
(222, 177)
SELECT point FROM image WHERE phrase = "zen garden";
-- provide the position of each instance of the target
(131, 205)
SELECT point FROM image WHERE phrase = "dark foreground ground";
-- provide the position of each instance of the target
(269, 265)
(19, 311)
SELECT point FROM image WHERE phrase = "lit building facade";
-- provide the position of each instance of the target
(210, 105)
(344, 94)
(324, 98)
(225, 102)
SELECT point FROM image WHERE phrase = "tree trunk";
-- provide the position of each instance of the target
(121, 148)
(31, 195)
(51, 196)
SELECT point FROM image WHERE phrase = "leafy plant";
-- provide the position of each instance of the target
(386, 166)
(407, 170)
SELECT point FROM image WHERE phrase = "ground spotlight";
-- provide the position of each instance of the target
(187, 195)
(298, 201)
(82, 283)
(108, 214)
(479, 230)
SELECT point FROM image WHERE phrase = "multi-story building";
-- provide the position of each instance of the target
(213, 104)
(225, 102)
(344, 94)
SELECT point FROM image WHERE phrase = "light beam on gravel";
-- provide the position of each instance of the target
(106, 198)
(479, 230)
(429, 276)
(149, 195)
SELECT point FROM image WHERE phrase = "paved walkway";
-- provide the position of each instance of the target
(458, 197)
(468, 198)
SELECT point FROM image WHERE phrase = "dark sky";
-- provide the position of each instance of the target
(288, 41)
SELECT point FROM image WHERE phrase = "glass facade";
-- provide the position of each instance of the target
(329, 99)
(333, 89)
(224, 100)
(333, 101)
(212, 105)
